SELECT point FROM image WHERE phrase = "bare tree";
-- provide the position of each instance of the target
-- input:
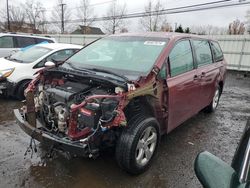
(17, 19)
(152, 22)
(248, 21)
(115, 12)
(166, 27)
(34, 11)
(236, 28)
(209, 30)
(86, 13)
(56, 16)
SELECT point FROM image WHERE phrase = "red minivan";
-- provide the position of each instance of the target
(123, 91)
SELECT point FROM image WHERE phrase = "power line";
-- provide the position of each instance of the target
(183, 9)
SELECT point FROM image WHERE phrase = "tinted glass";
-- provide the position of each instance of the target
(123, 55)
(25, 41)
(6, 42)
(203, 52)
(29, 55)
(39, 40)
(218, 55)
(181, 58)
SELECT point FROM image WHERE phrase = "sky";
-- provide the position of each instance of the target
(217, 17)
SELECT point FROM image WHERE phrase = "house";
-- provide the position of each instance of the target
(87, 30)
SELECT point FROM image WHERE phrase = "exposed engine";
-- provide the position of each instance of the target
(53, 104)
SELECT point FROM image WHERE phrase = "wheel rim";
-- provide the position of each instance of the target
(216, 98)
(146, 146)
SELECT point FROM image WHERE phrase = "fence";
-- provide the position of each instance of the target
(236, 48)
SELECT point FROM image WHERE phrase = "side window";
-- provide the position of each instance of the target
(163, 72)
(181, 58)
(61, 55)
(6, 42)
(203, 52)
(25, 41)
(58, 56)
(39, 40)
(218, 55)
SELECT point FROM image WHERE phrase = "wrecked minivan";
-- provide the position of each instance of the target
(123, 91)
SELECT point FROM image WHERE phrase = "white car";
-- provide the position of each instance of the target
(17, 70)
(12, 42)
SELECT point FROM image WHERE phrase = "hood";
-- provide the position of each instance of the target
(6, 64)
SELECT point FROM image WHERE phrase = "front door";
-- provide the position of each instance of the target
(183, 85)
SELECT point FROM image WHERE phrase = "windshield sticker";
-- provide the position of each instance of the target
(154, 43)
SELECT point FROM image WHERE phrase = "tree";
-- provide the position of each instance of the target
(152, 22)
(179, 29)
(187, 30)
(34, 11)
(248, 21)
(85, 13)
(166, 27)
(236, 28)
(17, 19)
(116, 13)
(56, 16)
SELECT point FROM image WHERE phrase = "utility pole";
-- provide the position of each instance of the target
(62, 9)
(8, 14)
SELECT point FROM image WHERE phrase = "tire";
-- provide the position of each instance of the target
(20, 89)
(133, 154)
(214, 103)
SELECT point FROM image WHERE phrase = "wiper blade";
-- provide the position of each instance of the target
(81, 69)
(111, 73)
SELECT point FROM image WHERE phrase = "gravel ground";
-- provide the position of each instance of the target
(217, 133)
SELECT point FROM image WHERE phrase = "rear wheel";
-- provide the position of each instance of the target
(214, 104)
(138, 144)
(20, 90)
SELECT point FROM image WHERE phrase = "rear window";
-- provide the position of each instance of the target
(25, 41)
(203, 52)
(6, 42)
(217, 53)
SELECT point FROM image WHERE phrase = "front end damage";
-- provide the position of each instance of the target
(83, 114)
(73, 113)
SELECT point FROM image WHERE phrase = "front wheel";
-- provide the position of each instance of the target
(138, 144)
(20, 90)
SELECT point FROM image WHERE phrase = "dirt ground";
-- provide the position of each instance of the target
(217, 133)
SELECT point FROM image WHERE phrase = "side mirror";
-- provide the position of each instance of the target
(49, 64)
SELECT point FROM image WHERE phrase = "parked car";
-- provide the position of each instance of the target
(212, 172)
(11, 42)
(125, 91)
(17, 70)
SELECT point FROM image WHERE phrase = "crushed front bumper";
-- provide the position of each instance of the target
(75, 148)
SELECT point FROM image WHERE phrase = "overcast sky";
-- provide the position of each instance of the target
(217, 17)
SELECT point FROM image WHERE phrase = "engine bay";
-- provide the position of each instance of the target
(75, 109)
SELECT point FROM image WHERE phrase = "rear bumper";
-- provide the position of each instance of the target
(72, 147)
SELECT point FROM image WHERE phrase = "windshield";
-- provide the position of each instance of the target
(29, 55)
(122, 55)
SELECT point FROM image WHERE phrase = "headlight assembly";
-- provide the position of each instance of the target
(6, 73)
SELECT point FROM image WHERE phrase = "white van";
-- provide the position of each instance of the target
(11, 42)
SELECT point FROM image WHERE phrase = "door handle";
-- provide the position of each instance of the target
(196, 77)
(203, 74)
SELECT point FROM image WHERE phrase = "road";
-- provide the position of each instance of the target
(217, 133)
